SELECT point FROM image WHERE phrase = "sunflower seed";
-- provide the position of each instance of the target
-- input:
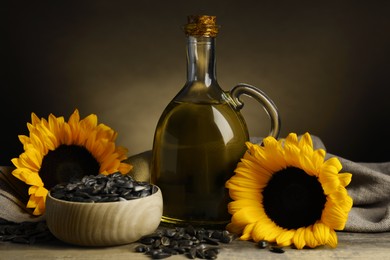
(141, 249)
(262, 244)
(211, 253)
(20, 240)
(226, 237)
(165, 241)
(211, 241)
(192, 253)
(102, 188)
(169, 250)
(190, 241)
(161, 255)
(156, 243)
(276, 249)
(147, 240)
(217, 234)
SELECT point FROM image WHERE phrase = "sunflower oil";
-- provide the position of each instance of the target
(199, 148)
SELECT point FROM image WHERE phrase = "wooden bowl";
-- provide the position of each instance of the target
(103, 223)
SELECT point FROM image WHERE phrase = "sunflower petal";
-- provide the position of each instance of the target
(305, 141)
(237, 205)
(246, 216)
(334, 215)
(292, 155)
(41, 192)
(345, 178)
(333, 240)
(122, 151)
(292, 139)
(233, 228)
(244, 184)
(125, 168)
(299, 238)
(310, 239)
(238, 195)
(285, 238)
(35, 119)
(318, 159)
(321, 233)
(263, 228)
(247, 232)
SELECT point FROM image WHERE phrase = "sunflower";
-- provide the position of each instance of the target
(57, 151)
(285, 192)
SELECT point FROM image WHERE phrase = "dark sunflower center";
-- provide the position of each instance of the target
(293, 199)
(65, 163)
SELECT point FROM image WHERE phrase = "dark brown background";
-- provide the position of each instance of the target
(324, 63)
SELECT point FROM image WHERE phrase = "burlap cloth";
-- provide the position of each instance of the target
(369, 188)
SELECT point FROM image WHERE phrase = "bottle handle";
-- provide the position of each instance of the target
(268, 105)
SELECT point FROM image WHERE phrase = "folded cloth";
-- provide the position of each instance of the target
(369, 189)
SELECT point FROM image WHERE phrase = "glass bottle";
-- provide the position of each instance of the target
(201, 136)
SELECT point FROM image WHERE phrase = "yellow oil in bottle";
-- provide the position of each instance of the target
(198, 148)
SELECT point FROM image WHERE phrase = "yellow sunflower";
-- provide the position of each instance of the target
(285, 192)
(57, 151)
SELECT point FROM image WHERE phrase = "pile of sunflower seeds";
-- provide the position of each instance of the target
(25, 232)
(103, 188)
(189, 241)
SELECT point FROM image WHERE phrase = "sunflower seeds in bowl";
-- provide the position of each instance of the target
(103, 188)
(103, 210)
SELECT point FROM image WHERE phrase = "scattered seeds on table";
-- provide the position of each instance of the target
(189, 241)
(25, 232)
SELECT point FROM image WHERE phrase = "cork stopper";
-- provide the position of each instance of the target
(201, 25)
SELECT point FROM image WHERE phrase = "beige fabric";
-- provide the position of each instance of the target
(370, 190)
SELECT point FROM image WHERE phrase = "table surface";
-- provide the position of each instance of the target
(351, 246)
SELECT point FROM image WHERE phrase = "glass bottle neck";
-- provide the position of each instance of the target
(201, 61)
